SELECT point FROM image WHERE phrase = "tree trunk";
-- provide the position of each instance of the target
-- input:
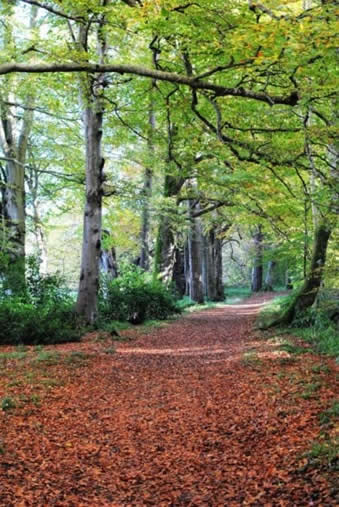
(307, 294)
(219, 294)
(205, 265)
(310, 288)
(269, 278)
(179, 271)
(209, 266)
(145, 221)
(14, 142)
(86, 305)
(147, 190)
(257, 270)
(108, 258)
(195, 260)
(91, 98)
(213, 262)
(165, 251)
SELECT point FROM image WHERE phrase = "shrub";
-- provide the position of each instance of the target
(134, 297)
(40, 313)
(28, 323)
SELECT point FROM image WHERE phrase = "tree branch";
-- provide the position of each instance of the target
(53, 11)
(171, 77)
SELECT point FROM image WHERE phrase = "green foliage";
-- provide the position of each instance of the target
(330, 415)
(291, 348)
(315, 327)
(324, 454)
(236, 294)
(185, 302)
(47, 356)
(7, 403)
(134, 297)
(40, 313)
(275, 311)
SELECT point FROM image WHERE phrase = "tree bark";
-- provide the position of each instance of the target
(214, 289)
(41, 243)
(14, 141)
(145, 220)
(147, 190)
(165, 251)
(269, 278)
(86, 305)
(179, 271)
(306, 296)
(195, 260)
(257, 270)
(108, 259)
(91, 97)
(310, 288)
(219, 294)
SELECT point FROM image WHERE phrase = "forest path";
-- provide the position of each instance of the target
(198, 412)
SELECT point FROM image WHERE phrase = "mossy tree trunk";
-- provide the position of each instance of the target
(310, 288)
(306, 296)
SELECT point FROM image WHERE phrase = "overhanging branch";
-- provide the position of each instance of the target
(193, 82)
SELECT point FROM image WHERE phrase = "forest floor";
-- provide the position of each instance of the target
(201, 411)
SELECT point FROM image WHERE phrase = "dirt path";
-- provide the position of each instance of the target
(199, 412)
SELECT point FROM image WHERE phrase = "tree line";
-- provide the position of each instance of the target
(230, 113)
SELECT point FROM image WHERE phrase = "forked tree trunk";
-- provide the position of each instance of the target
(14, 141)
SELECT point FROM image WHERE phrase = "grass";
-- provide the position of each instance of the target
(251, 359)
(330, 415)
(310, 390)
(313, 326)
(76, 358)
(324, 454)
(291, 348)
(16, 354)
(323, 341)
(272, 312)
(236, 294)
(320, 368)
(47, 356)
(7, 403)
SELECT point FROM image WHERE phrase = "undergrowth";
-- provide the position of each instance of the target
(135, 297)
(314, 326)
(41, 312)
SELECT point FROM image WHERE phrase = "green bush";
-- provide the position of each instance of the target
(134, 297)
(40, 313)
(28, 323)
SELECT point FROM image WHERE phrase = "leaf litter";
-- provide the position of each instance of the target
(200, 412)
